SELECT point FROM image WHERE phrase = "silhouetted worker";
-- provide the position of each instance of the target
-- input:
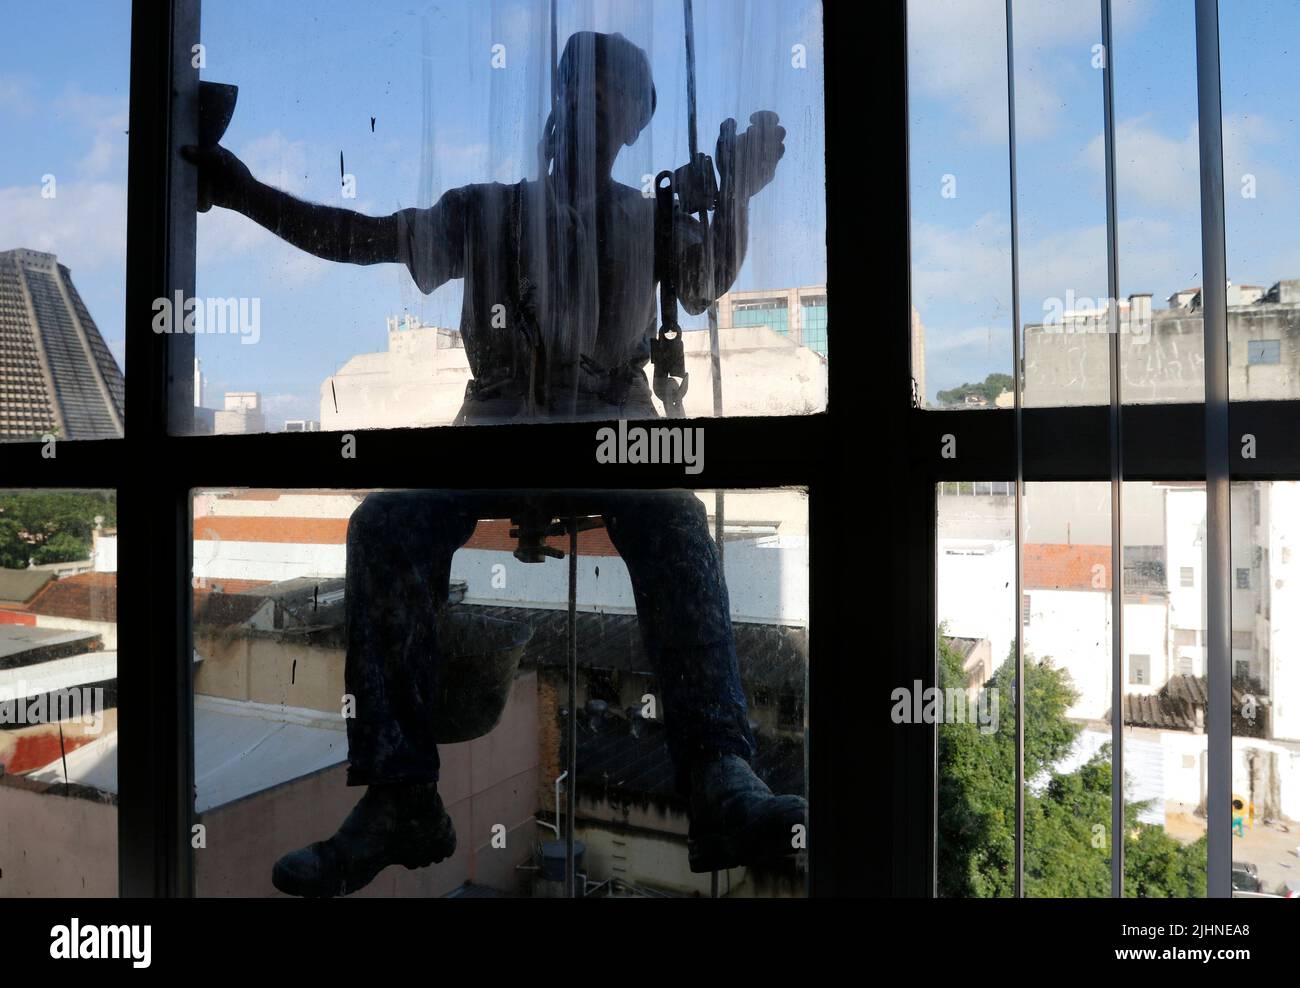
(559, 305)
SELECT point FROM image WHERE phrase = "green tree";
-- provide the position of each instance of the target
(1067, 815)
(989, 389)
(51, 526)
(14, 549)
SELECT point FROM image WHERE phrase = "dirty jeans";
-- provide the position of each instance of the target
(399, 550)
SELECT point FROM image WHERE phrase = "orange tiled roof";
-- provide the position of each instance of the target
(1066, 567)
(85, 597)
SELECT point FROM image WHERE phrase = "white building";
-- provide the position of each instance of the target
(768, 368)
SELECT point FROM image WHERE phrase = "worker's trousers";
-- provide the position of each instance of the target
(399, 551)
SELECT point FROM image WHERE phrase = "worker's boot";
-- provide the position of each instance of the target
(736, 820)
(393, 824)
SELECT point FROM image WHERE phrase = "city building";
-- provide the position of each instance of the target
(57, 376)
(1066, 620)
(772, 355)
(1162, 355)
(796, 313)
(242, 414)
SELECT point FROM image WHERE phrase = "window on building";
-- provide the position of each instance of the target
(1139, 670)
(1186, 576)
(1264, 352)
(1243, 578)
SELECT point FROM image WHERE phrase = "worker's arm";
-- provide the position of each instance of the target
(418, 238)
(744, 175)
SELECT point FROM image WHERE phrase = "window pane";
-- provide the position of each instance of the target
(63, 220)
(473, 286)
(1068, 764)
(1066, 613)
(58, 694)
(960, 218)
(1261, 155)
(1157, 187)
(306, 600)
(1265, 688)
(976, 667)
(1165, 699)
(1061, 179)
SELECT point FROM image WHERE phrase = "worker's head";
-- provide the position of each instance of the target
(605, 96)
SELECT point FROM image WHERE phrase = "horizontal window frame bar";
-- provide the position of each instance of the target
(737, 453)
(1163, 442)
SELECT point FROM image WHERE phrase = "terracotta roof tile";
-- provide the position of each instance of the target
(1066, 567)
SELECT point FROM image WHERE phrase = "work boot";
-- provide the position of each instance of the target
(735, 819)
(393, 824)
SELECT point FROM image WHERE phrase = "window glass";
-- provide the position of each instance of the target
(363, 652)
(63, 220)
(1066, 615)
(1265, 688)
(976, 611)
(437, 241)
(1261, 155)
(958, 194)
(58, 694)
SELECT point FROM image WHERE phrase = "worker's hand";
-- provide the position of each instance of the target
(753, 155)
(223, 179)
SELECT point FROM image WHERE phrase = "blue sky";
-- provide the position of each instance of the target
(958, 127)
(64, 84)
(311, 76)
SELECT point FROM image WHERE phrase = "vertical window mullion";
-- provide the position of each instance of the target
(1116, 450)
(155, 754)
(1017, 389)
(1218, 509)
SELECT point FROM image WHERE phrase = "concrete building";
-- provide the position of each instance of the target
(1066, 613)
(800, 314)
(1066, 360)
(57, 376)
(241, 415)
(630, 819)
(773, 347)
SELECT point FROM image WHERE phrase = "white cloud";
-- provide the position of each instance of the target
(968, 270)
(957, 56)
(1157, 169)
(16, 97)
(95, 112)
(101, 157)
(278, 161)
(1151, 166)
(85, 223)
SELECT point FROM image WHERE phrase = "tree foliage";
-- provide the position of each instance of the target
(989, 389)
(51, 527)
(1067, 814)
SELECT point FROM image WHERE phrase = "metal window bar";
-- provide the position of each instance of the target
(1017, 387)
(1218, 541)
(1115, 433)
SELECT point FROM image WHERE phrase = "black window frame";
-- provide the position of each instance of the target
(155, 466)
